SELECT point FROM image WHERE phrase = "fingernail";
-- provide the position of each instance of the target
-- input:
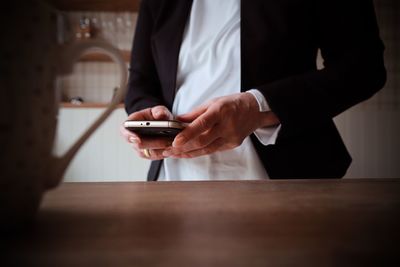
(133, 140)
(159, 114)
(167, 153)
(179, 141)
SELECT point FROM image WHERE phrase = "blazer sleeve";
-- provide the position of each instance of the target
(144, 88)
(352, 50)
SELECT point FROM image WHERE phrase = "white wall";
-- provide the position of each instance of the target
(372, 135)
(106, 156)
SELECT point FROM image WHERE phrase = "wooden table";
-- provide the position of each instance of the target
(244, 223)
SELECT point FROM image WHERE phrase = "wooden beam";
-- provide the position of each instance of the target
(98, 57)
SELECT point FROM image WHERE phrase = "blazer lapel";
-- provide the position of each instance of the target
(167, 43)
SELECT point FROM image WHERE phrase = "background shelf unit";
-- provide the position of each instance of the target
(95, 75)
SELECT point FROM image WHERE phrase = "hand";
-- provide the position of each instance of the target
(219, 125)
(155, 146)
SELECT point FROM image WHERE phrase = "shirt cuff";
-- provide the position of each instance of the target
(267, 135)
(262, 102)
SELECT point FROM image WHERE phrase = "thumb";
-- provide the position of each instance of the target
(161, 113)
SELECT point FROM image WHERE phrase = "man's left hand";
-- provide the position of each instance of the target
(220, 124)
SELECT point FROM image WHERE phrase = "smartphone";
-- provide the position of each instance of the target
(155, 128)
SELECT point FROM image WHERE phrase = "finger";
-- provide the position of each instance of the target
(141, 115)
(197, 127)
(161, 113)
(194, 114)
(155, 143)
(154, 154)
(129, 136)
(201, 141)
(217, 145)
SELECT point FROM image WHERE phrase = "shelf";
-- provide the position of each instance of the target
(87, 105)
(99, 57)
(96, 5)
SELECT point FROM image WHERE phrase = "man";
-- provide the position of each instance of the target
(243, 75)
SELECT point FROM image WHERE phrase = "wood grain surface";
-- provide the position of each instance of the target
(246, 223)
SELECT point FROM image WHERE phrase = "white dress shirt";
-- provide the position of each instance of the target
(209, 67)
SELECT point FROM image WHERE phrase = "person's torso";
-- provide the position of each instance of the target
(209, 67)
(278, 39)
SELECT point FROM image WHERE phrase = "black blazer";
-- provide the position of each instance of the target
(279, 43)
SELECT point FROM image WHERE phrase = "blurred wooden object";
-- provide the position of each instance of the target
(99, 57)
(244, 223)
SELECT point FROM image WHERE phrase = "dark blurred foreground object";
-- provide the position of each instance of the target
(237, 223)
(32, 55)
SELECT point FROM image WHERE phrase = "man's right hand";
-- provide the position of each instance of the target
(154, 146)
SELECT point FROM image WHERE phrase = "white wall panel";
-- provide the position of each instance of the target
(105, 156)
(372, 136)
